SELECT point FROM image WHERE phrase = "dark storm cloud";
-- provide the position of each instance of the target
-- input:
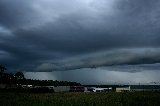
(42, 34)
(15, 13)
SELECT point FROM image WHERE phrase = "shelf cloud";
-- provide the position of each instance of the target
(109, 58)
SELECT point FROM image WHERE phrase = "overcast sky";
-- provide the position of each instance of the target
(89, 41)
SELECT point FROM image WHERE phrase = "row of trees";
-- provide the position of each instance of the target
(9, 77)
(18, 78)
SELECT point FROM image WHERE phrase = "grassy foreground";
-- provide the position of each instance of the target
(80, 99)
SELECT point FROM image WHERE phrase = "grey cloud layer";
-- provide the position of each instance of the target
(50, 31)
(99, 76)
(111, 58)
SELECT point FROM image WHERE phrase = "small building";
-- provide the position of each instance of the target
(61, 88)
(136, 88)
(77, 89)
(123, 89)
(144, 87)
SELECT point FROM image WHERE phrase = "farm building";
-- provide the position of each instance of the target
(144, 87)
(77, 89)
(138, 88)
(88, 89)
(65, 88)
(52, 88)
(61, 88)
(123, 89)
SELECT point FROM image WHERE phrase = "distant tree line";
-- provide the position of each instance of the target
(18, 78)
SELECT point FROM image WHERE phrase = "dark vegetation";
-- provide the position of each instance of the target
(80, 99)
(18, 78)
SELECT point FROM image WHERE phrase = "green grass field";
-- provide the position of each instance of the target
(80, 99)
